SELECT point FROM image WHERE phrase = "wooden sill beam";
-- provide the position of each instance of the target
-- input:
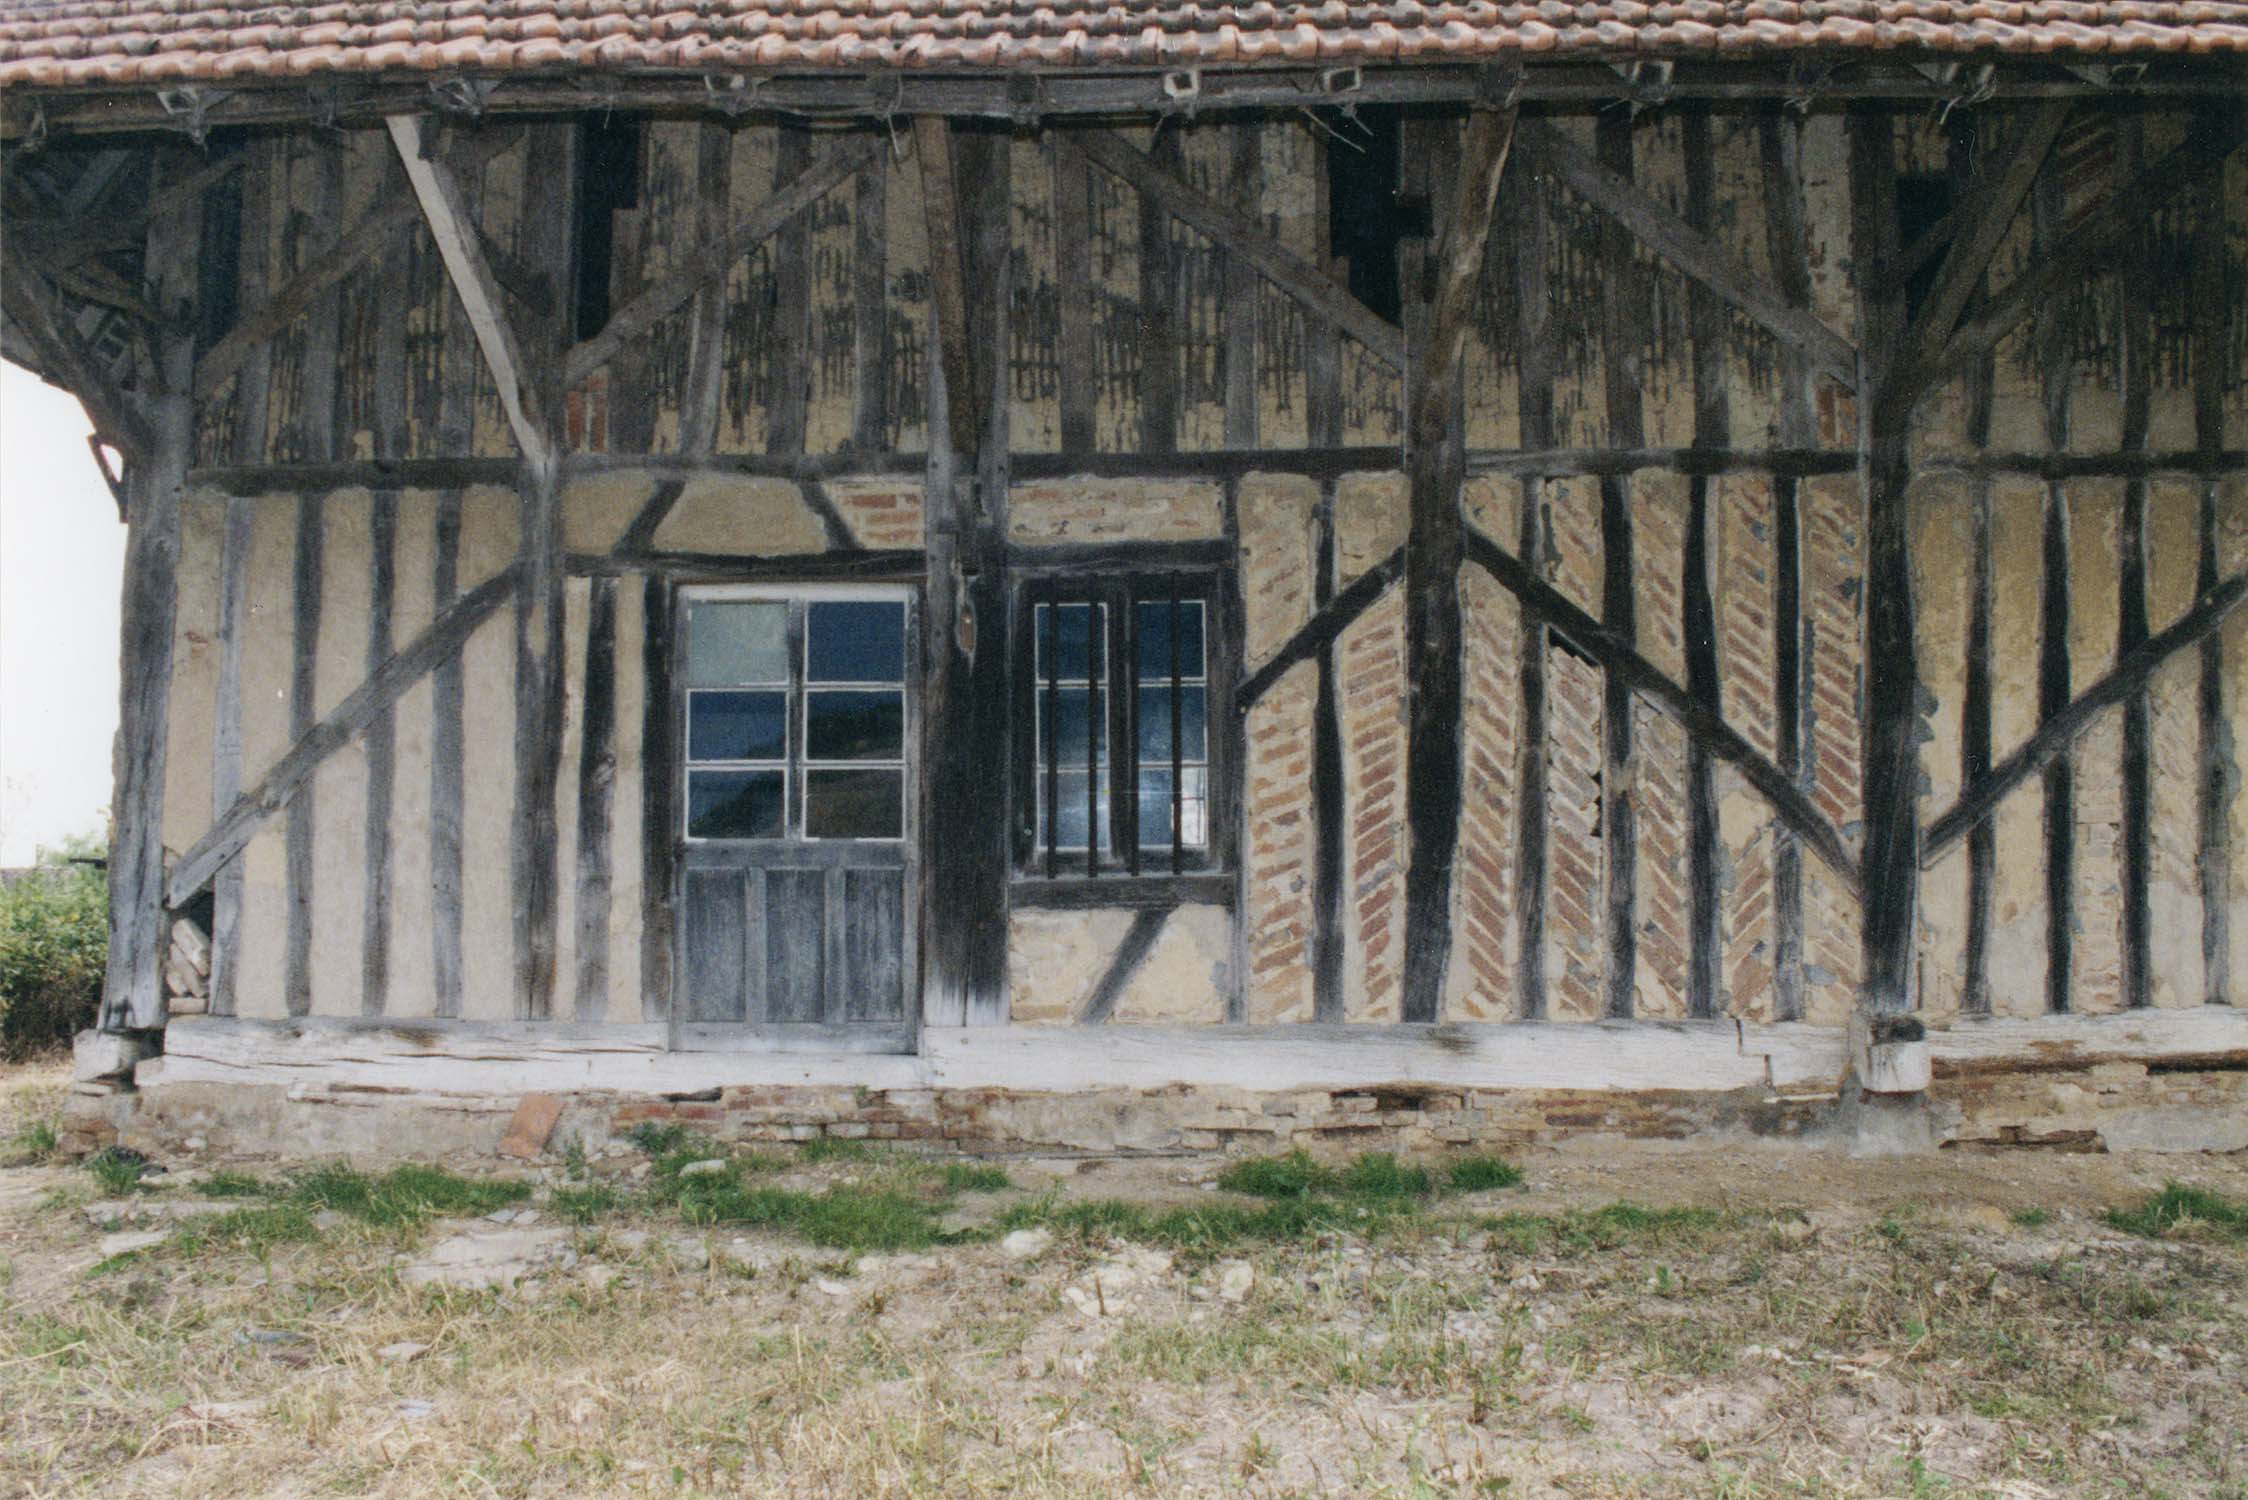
(1619, 656)
(442, 641)
(1238, 233)
(1701, 259)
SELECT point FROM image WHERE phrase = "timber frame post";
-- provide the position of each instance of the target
(964, 620)
(133, 987)
(1434, 551)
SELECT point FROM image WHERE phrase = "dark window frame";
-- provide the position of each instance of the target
(1040, 867)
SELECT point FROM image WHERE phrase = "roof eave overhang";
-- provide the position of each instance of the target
(1025, 95)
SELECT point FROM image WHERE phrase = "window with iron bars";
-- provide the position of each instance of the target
(1121, 695)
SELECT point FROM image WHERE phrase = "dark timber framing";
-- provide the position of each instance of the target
(1705, 917)
(1534, 362)
(1621, 321)
(1328, 813)
(1435, 467)
(1889, 875)
(133, 989)
(2055, 368)
(2215, 763)
(2135, 350)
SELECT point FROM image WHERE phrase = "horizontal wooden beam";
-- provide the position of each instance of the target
(1564, 463)
(1239, 234)
(1702, 259)
(1822, 80)
(442, 641)
(2125, 682)
(899, 564)
(706, 264)
(508, 1059)
(1322, 630)
(1620, 657)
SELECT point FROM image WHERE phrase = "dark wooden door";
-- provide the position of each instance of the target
(797, 895)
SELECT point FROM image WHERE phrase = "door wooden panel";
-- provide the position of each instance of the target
(797, 902)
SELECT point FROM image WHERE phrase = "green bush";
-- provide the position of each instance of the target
(54, 940)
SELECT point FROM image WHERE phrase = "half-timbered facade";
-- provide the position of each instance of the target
(1150, 577)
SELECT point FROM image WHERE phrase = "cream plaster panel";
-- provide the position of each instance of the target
(412, 921)
(597, 508)
(192, 707)
(1185, 976)
(1054, 958)
(487, 803)
(728, 515)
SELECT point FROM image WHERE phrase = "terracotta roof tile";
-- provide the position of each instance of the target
(101, 43)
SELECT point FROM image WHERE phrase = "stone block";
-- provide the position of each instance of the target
(106, 1054)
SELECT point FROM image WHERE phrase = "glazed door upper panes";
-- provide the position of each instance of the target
(797, 892)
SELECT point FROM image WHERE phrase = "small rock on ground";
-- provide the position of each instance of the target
(1026, 1244)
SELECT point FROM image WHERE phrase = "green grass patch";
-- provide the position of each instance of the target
(2030, 1218)
(258, 1227)
(234, 1185)
(1375, 1176)
(1206, 1227)
(973, 1177)
(404, 1195)
(842, 1218)
(833, 1148)
(1480, 1174)
(582, 1205)
(1602, 1228)
(2184, 1211)
(118, 1172)
(658, 1140)
(37, 1139)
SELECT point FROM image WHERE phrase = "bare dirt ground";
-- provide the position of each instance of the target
(697, 1322)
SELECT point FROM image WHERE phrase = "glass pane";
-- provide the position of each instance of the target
(1154, 618)
(737, 726)
(1068, 709)
(854, 726)
(1080, 647)
(854, 804)
(855, 640)
(729, 643)
(1155, 807)
(1155, 723)
(1070, 793)
(735, 804)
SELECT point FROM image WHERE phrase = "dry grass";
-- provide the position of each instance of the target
(1708, 1325)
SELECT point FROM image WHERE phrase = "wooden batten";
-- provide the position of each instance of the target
(1713, 424)
(1534, 403)
(2214, 780)
(1621, 316)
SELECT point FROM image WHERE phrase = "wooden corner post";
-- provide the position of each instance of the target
(1435, 465)
(133, 987)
